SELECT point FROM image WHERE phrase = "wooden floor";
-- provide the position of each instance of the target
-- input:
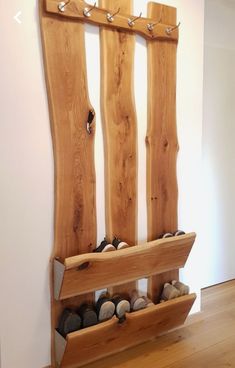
(206, 341)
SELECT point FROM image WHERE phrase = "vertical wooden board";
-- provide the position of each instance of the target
(65, 64)
(75, 211)
(161, 139)
(119, 126)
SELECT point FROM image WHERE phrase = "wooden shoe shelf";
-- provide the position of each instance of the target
(85, 346)
(96, 271)
(77, 272)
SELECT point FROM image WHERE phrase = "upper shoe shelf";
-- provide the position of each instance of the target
(94, 271)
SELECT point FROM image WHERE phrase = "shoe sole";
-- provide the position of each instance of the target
(138, 304)
(106, 312)
(107, 248)
(89, 319)
(122, 245)
(122, 308)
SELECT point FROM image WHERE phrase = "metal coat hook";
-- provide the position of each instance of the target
(151, 26)
(169, 30)
(62, 5)
(87, 11)
(131, 22)
(110, 17)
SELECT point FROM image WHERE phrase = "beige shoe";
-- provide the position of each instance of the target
(122, 306)
(148, 301)
(169, 292)
(183, 289)
(105, 308)
(137, 302)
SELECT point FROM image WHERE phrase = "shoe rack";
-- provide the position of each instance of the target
(76, 272)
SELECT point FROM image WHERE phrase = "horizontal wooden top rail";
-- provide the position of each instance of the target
(94, 271)
(92, 343)
(74, 9)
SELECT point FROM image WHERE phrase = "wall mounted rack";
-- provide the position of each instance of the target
(76, 272)
(149, 28)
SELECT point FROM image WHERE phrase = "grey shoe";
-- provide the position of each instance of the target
(183, 289)
(169, 292)
(88, 315)
(105, 308)
(70, 321)
(122, 306)
(137, 302)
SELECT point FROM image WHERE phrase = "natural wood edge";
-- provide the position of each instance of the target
(90, 272)
(89, 330)
(74, 11)
(119, 124)
(174, 302)
(161, 142)
(76, 261)
(111, 337)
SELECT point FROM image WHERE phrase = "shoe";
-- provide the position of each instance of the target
(104, 247)
(105, 308)
(137, 302)
(169, 292)
(166, 235)
(119, 244)
(148, 301)
(88, 315)
(183, 289)
(178, 233)
(70, 321)
(122, 306)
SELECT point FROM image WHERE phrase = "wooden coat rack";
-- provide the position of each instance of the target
(76, 272)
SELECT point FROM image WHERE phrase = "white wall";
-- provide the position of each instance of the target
(26, 169)
(218, 142)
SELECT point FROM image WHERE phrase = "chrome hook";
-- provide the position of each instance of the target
(87, 11)
(151, 26)
(62, 5)
(131, 22)
(169, 30)
(110, 17)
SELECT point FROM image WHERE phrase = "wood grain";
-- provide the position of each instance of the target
(109, 337)
(119, 127)
(75, 210)
(214, 328)
(90, 272)
(161, 140)
(73, 11)
(221, 354)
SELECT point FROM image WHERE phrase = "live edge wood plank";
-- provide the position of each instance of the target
(74, 11)
(69, 104)
(75, 212)
(110, 337)
(96, 271)
(120, 131)
(161, 140)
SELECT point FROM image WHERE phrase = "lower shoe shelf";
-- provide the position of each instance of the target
(87, 345)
